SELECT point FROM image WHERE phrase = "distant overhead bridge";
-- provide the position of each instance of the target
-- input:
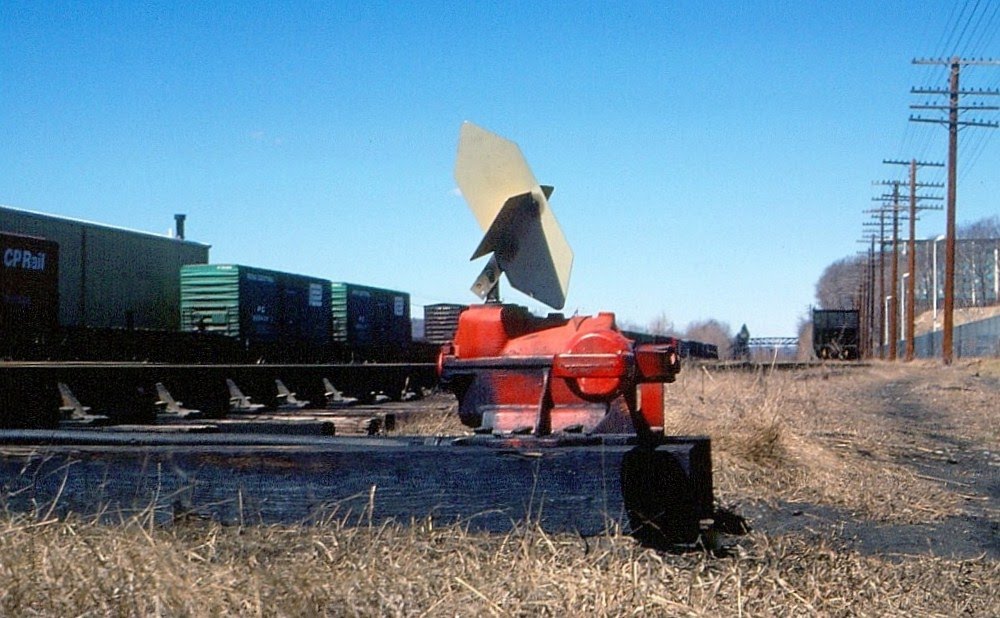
(773, 342)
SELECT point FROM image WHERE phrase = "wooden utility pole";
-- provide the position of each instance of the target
(892, 298)
(955, 64)
(871, 298)
(881, 284)
(879, 309)
(894, 303)
(911, 249)
(911, 263)
(874, 304)
(866, 320)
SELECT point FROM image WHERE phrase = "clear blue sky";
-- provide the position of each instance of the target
(709, 161)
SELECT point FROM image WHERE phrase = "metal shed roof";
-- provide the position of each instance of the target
(43, 215)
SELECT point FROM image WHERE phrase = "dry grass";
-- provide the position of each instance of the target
(438, 418)
(76, 568)
(826, 436)
(835, 436)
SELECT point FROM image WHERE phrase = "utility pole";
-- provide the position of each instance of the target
(880, 306)
(894, 305)
(862, 302)
(866, 320)
(953, 123)
(892, 300)
(881, 284)
(911, 245)
(872, 304)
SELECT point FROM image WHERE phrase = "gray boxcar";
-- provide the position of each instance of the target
(441, 321)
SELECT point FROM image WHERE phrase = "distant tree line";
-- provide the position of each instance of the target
(840, 284)
(976, 264)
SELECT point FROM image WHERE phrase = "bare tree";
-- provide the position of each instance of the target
(629, 325)
(805, 352)
(976, 261)
(839, 284)
(662, 325)
(987, 227)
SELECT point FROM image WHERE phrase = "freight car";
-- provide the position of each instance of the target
(274, 315)
(283, 317)
(441, 322)
(29, 293)
(699, 349)
(29, 283)
(77, 290)
(835, 333)
(685, 348)
(370, 324)
(111, 277)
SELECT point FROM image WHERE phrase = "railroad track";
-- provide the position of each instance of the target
(129, 392)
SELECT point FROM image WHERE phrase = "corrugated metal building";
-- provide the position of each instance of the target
(108, 276)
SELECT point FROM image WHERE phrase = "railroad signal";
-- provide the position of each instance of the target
(521, 231)
(522, 380)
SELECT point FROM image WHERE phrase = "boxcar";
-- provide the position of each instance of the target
(441, 321)
(370, 323)
(280, 314)
(836, 333)
(29, 284)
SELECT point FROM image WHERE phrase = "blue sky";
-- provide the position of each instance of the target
(709, 160)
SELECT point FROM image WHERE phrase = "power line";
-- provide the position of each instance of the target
(966, 26)
(974, 48)
(941, 41)
(969, 30)
(911, 245)
(950, 47)
(954, 93)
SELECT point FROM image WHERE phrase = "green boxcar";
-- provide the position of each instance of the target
(371, 323)
(259, 307)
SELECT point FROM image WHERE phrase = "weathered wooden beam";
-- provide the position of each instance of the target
(586, 486)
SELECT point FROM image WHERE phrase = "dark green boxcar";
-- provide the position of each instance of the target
(371, 323)
(259, 307)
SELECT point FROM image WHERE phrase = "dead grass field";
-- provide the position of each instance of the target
(815, 459)
(847, 437)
